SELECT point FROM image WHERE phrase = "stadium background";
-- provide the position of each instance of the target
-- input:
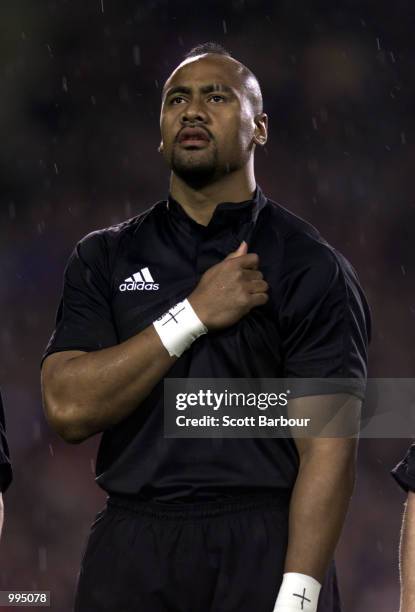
(80, 87)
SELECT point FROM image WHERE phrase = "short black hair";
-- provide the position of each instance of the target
(214, 47)
(207, 47)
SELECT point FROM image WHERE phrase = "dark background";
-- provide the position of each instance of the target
(80, 87)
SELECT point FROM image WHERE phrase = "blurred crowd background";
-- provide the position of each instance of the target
(80, 86)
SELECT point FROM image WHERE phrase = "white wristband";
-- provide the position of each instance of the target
(298, 593)
(179, 327)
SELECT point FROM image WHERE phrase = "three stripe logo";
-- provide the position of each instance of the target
(141, 280)
(139, 277)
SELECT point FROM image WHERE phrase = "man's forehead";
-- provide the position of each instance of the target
(204, 70)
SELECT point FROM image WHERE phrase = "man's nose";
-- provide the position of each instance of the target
(194, 112)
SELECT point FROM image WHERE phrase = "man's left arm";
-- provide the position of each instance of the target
(324, 484)
(320, 497)
(319, 503)
(324, 320)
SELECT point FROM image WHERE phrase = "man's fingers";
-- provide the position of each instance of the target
(258, 286)
(249, 261)
(241, 250)
(259, 299)
(251, 275)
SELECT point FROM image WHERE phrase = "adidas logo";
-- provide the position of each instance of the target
(141, 280)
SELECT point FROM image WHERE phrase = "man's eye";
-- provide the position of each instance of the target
(217, 98)
(176, 100)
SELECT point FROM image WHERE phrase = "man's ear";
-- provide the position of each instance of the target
(261, 129)
(259, 139)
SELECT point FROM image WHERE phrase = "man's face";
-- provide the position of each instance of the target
(207, 120)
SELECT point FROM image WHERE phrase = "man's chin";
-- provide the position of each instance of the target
(194, 169)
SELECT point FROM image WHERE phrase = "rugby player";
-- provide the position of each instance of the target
(215, 281)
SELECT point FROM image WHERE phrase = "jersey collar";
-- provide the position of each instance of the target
(225, 214)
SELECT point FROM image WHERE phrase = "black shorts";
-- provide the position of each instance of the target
(204, 557)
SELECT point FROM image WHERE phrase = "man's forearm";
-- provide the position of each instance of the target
(319, 504)
(407, 556)
(96, 390)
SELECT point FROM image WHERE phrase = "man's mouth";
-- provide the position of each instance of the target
(193, 136)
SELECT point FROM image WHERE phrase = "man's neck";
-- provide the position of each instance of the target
(200, 204)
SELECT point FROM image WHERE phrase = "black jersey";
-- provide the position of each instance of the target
(315, 324)
(404, 471)
(5, 465)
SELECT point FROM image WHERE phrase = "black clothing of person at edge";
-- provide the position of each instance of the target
(404, 471)
(315, 325)
(6, 474)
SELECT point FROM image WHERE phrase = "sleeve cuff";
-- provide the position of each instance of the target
(301, 387)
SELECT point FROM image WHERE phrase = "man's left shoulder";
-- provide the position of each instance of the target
(303, 245)
(287, 223)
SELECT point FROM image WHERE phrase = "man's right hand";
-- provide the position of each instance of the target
(95, 403)
(229, 290)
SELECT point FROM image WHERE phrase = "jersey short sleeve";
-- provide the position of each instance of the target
(324, 320)
(84, 318)
(404, 472)
(5, 465)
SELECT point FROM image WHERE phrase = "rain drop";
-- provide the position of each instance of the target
(136, 55)
(379, 546)
(323, 115)
(36, 431)
(42, 558)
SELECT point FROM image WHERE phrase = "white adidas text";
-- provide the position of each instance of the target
(140, 281)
